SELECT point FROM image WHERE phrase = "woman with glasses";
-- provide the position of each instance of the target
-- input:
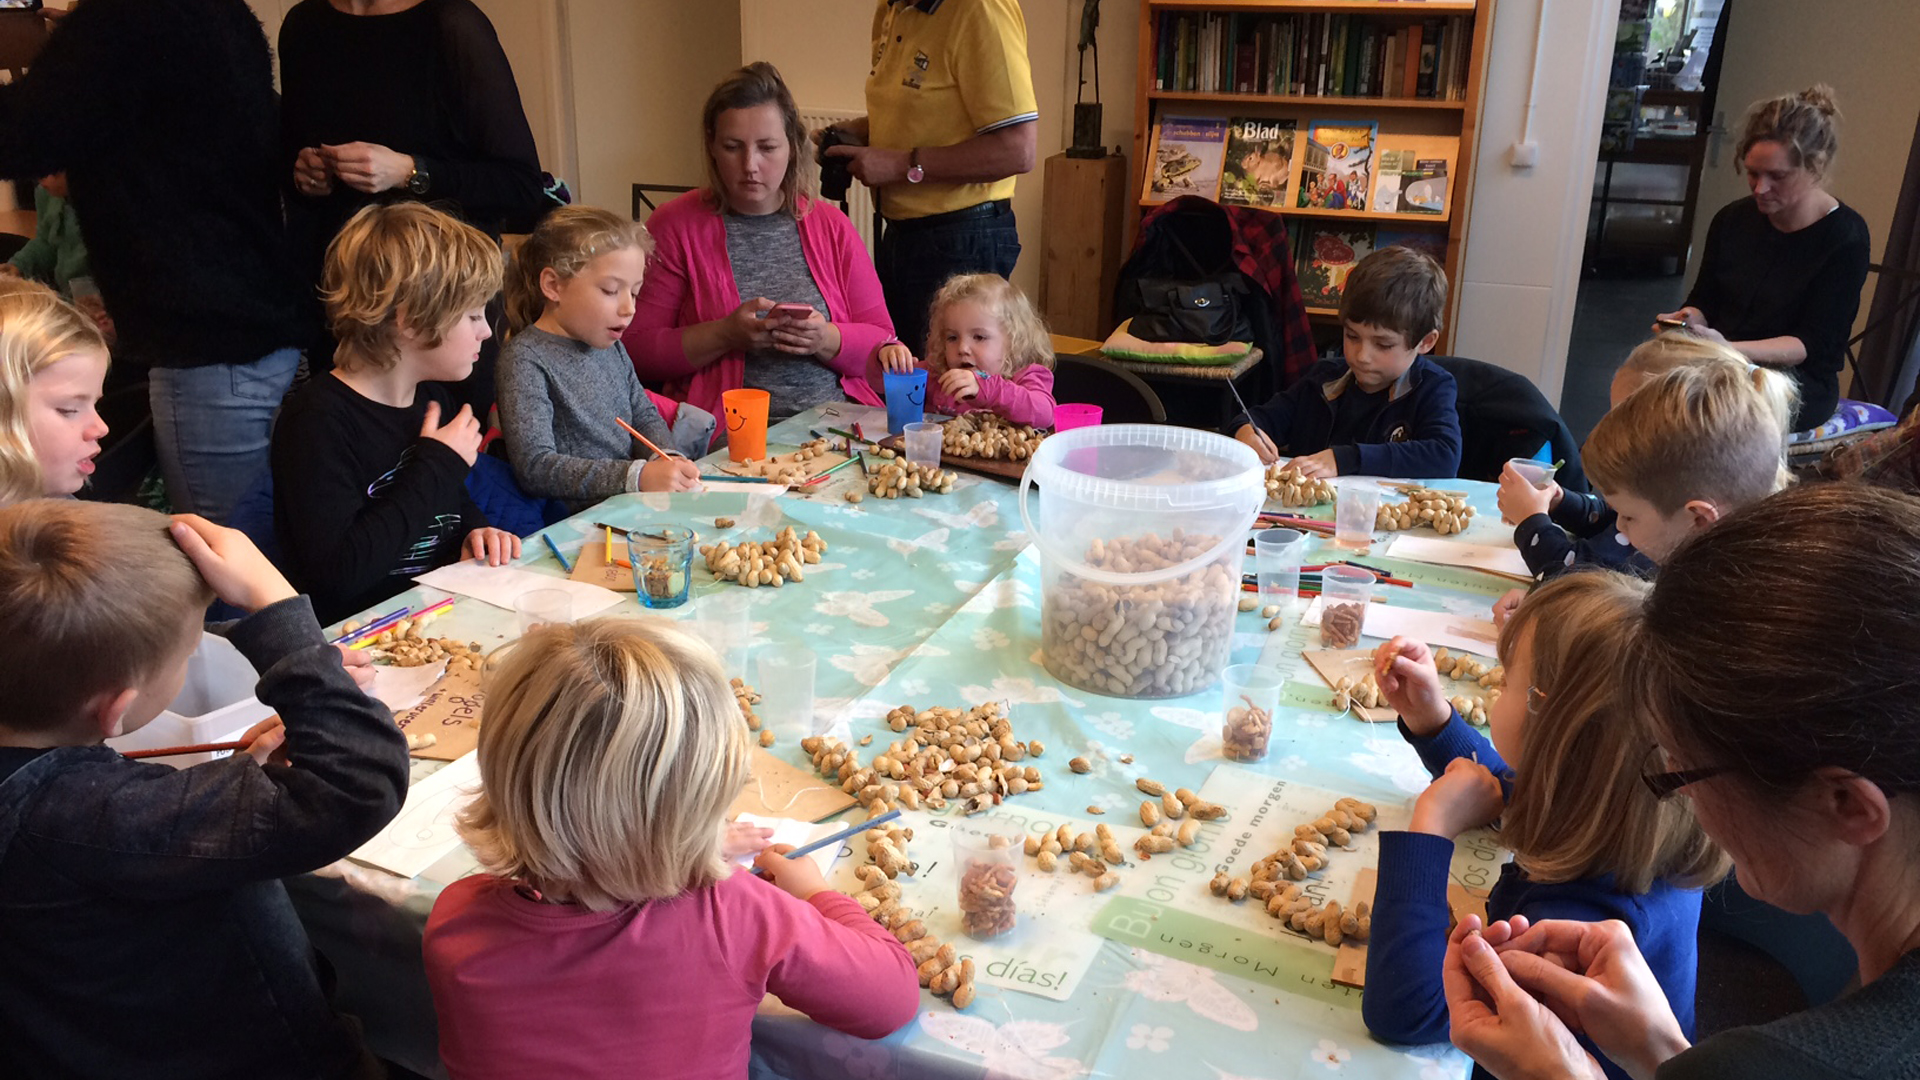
(1798, 745)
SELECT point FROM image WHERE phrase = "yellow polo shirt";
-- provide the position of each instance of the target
(945, 71)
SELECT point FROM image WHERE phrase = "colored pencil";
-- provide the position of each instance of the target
(609, 559)
(644, 441)
(843, 834)
(724, 478)
(848, 435)
(422, 616)
(198, 748)
(373, 627)
(614, 529)
(555, 548)
(850, 461)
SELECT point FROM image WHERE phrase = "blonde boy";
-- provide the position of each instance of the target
(369, 482)
(137, 901)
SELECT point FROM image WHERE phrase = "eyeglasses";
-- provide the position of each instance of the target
(1664, 784)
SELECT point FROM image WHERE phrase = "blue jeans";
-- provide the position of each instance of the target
(211, 427)
(914, 258)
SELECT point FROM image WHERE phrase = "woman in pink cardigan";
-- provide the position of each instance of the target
(753, 283)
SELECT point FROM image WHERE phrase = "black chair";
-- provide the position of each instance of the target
(1122, 396)
(1503, 415)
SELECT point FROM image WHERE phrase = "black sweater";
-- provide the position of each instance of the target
(161, 112)
(1757, 282)
(431, 82)
(362, 502)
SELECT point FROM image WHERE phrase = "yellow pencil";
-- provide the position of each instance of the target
(609, 547)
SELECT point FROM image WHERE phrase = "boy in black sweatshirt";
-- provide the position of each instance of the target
(143, 927)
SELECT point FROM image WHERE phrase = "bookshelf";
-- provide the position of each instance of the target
(1271, 60)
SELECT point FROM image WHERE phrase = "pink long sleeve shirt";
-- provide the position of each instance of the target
(663, 989)
(1023, 398)
(690, 280)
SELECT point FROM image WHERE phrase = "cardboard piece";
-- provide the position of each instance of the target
(1350, 959)
(590, 565)
(450, 712)
(1336, 664)
(1500, 560)
(784, 790)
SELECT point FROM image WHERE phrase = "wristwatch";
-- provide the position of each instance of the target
(418, 181)
(915, 173)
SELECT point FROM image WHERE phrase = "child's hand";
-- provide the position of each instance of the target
(743, 839)
(1262, 445)
(960, 383)
(799, 878)
(896, 358)
(495, 547)
(1520, 500)
(230, 563)
(1504, 607)
(267, 741)
(811, 336)
(359, 664)
(1317, 466)
(1466, 796)
(669, 474)
(460, 434)
(311, 176)
(746, 331)
(1404, 669)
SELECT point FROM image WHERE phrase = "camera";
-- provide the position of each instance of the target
(835, 177)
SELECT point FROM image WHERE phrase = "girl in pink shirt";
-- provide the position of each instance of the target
(610, 938)
(986, 349)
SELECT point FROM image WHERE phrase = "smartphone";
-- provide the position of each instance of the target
(791, 311)
(1677, 324)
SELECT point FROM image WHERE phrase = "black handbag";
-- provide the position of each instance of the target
(1209, 311)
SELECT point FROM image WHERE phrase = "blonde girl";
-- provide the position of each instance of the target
(608, 914)
(565, 378)
(1562, 774)
(53, 365)
(986, 349)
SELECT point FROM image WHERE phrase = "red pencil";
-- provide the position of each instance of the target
(170, 751)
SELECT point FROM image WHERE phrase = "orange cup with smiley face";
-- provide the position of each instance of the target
(745, 413)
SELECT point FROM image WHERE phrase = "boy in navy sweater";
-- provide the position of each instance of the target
(1384, 410)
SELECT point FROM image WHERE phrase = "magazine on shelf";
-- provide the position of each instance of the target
(1185, 157)
(1259, 162)
(1413, 173)
(1336, 165)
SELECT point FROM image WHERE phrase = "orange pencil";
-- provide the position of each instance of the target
(644, 441)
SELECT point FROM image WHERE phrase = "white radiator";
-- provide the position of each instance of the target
(859, 196)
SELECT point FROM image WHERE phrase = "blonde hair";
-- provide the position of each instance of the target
(403, 256)
(757, 84)
(95, 597)
(1806, 124)
(1028, 342)
(1579, 808)
(566, 242)
(37, 330)
(611, 752)
(1713, 429)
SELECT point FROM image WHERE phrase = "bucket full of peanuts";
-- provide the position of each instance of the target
(1142, 529)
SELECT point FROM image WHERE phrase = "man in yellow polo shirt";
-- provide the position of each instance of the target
(949, 124)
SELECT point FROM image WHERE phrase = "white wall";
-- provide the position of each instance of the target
(1527, 226)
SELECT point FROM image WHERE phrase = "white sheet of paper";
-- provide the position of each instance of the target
(423, 832)
(740, 487)
(1384, 621)
(502, 585)
(1502, 559)
(799, 834)
(402, 687)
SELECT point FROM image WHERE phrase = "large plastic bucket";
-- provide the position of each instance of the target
(1141, 534)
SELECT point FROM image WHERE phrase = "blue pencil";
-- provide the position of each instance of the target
(723, 478)
(373, 627)
(555, 548)
(844, 833)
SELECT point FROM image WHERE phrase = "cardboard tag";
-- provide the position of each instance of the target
(1335, 664)
(450, 712)
(591, 566)
(1350, 960)
(781, 789)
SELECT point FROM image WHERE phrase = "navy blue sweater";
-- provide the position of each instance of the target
(1580, 531)
(1405, 1002)
(1410, 428)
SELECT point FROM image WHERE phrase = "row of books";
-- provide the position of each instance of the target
(1324, 54)
(1325, 252)
(1335, 165)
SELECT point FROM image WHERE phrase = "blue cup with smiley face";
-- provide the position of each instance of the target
(906, 399)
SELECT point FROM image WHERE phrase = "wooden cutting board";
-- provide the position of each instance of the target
(1010, 471)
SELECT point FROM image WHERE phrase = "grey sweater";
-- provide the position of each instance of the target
(558, 399)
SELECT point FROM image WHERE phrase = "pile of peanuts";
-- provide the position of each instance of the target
(764, 562)
(887, 850)
(1445, 511)
(948, 754)
(1166, 639)
(1365, 692)
(1461, 667)
(1088, 853)
(791, 468)
(1159, 817)
(1286, 486)
(416, 652)
(747, 697)
(987, 909)
(1275, 880)
(984, 435)
(897, 478)
(940, 968)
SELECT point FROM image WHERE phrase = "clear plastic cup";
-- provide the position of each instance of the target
(988, 872)
(1354, 512)
(784, 676)
(1537, 473)
(1250, 696)
(923, 444)
(1277, 555)
(662, 561)
(538, 607)
(723, 620)
(1346, 592)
